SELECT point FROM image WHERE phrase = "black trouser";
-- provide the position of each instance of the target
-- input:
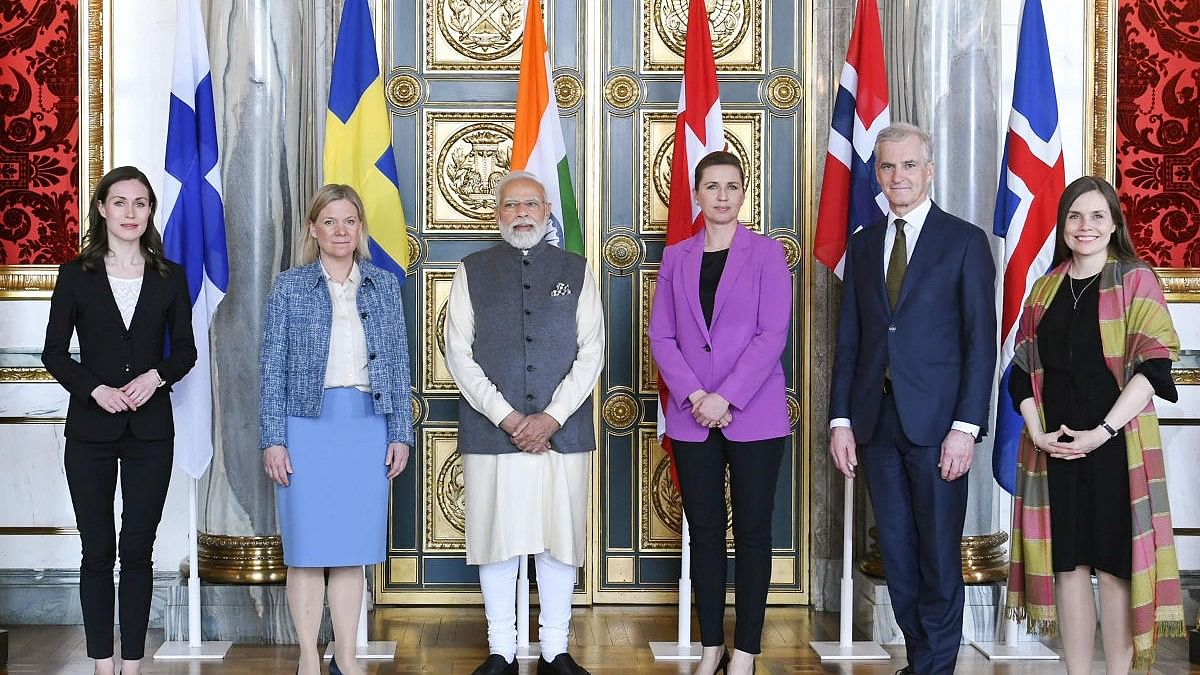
(92, 478)
(753, 473)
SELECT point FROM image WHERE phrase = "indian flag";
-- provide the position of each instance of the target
(538, 145)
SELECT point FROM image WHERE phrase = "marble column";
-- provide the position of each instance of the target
(259, 65)
(943, 59)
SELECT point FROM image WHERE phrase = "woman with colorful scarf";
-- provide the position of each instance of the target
(1094, 346)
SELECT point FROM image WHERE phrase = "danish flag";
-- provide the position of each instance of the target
(850, 196)
(698, 131)
(1031, 181)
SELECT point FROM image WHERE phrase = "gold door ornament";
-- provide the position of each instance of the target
(568, 91)
(467, 154)
(661, 507)
(403, 89)
(621, 252)
(622, 91)
(445, 495)
(736, 28)
(620, 410)
(473, 34)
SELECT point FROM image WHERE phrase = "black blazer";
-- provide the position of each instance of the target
(112, 355)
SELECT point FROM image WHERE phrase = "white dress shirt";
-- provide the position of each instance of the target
(347, 364)
(914, 221)
(482, 394)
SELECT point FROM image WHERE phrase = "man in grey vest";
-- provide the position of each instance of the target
(525, 344)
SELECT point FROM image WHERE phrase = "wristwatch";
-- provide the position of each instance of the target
(161, 381)
(1111, 431)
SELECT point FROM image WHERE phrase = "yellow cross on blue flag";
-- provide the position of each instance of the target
(358, 137)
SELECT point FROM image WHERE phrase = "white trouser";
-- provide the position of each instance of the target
(555, 582)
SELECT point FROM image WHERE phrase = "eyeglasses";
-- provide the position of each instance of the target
(531, 204)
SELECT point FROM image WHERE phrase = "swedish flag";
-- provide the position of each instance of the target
(358, 137)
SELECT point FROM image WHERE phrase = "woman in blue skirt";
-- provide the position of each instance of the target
(336, 418)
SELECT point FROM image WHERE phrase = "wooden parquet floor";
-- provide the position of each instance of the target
(606, 640)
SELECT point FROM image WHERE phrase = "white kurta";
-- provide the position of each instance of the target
(519, 503)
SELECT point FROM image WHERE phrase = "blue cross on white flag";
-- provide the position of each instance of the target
(194, 230)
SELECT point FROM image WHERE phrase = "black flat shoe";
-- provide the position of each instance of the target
(562, 664)
(495, 664)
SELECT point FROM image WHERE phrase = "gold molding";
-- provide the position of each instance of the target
(36, 282)
(1180, 284)
(229, 559)
(478, 142)
(620, 410)
(738, 38)
(36, 531)
(443, 492)
(435, 293)
(1185, 375)
(16, 374)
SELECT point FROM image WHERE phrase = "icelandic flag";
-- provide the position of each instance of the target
(358, 138)
(538, 145)
(850, 196)
(1031, 181)
(194, 230)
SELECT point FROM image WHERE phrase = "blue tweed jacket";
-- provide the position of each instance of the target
(295, 350)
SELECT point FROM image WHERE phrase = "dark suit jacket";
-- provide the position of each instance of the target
(940, 341)
(113, 355)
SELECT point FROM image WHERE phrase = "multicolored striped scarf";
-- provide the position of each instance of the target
(1134, 327)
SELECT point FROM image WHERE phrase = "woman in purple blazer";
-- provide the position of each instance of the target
(717, 330)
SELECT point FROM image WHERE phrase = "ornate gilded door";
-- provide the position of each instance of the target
(616, 73)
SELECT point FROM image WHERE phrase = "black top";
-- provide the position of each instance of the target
(1089, 497)
(111, 354)
(712, 264)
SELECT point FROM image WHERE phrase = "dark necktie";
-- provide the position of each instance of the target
(897, 264)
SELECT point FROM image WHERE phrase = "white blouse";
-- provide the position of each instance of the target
(125, 292)
(347, 365)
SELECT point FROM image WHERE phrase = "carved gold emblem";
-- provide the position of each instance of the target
(728, 22)
(403, 90)
(666, 152)
(784, 91)
(452, 492)
(668, 504)
(791, 248)
(622, 91)
(568, 90)
(620, 410)
(484, 30)
(793, 409)
(433, 294)
(621, 252)
(414, 253)
(470, 165)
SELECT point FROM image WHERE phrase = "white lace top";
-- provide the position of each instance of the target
(125, 292)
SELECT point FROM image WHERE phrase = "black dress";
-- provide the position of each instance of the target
(1089, 497)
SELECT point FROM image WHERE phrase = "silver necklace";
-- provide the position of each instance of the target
(1071, 280)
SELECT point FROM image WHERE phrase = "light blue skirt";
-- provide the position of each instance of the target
(333, 513)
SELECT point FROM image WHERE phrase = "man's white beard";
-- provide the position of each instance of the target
(523, 240)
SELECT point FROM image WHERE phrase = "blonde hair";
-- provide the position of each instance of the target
(325, 196)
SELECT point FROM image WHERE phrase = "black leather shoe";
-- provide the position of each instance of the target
(495, 664)
(333, 668)
(723, 664)
(562, 664)
(906, 670)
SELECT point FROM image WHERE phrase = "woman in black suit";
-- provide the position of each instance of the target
(124, 300)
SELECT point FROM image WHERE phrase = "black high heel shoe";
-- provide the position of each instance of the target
(333, 669)
(723, 664)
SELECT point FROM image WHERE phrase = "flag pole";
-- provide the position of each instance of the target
(683, 649)
(195, 648)
(846, 649)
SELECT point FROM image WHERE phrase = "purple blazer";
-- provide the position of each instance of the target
(739, 356)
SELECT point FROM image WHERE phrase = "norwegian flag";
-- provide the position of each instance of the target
(698, 131)
(850, 195)
(1031, 181)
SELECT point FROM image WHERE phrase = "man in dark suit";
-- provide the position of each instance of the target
(912, 380)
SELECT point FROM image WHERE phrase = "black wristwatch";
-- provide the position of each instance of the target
(1111, 431)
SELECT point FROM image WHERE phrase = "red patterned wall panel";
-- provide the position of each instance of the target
(39, 131)
(1158, 127)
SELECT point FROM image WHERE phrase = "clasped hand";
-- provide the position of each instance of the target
(530, 433)
(710, 409)
(132, 396)
(1081, 444)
